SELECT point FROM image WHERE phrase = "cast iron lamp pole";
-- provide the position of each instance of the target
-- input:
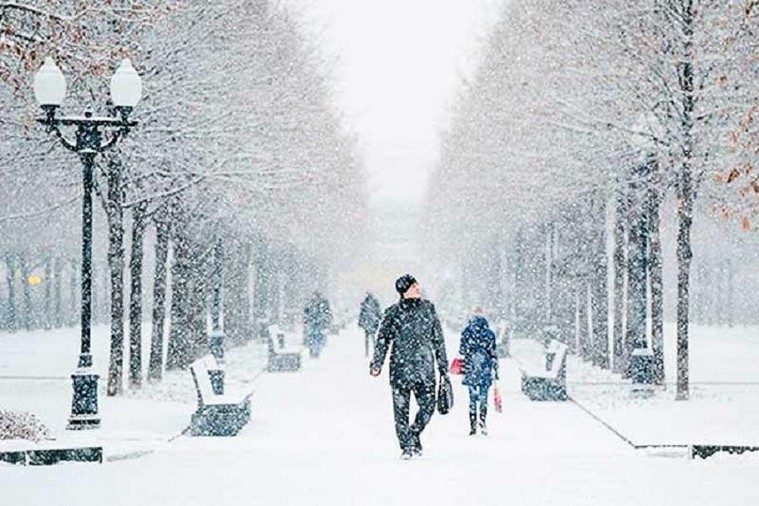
(49, 90)
(216, 336)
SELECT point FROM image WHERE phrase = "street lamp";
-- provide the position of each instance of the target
(49, 90)
(216, 336)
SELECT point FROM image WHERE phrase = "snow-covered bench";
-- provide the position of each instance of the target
(706, 451)
(45, 453)
(281, 358)
(548, 381)
(216, 415)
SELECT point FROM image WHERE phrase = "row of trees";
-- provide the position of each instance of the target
(239, 150)
(608, 107)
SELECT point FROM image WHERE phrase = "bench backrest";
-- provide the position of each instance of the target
(556, 357)
(270, 338)
(199, 371)
(274, 335)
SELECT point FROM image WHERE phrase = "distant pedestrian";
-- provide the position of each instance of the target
(369, 319)
(478, 350)
(317, 317)
(412, 330)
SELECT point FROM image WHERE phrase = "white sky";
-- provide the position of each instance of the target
(400, 62)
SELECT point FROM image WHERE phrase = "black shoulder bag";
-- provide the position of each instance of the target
(444, 395)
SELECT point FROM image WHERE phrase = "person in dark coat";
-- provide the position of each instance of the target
(477, 348)
(317, 317)
(369, 319)
(412, 330)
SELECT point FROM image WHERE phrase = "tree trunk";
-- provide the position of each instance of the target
(581, 289)
(47, 302)
(521, 290)
(236, 307)
(135, 296)
(197, 309)
(105, 289)
(115, 214)
(249, 277)
(503, 280)
(217, 279)
(275, 288)
(619, 364)
(28, 318)
(57, 284)
(262, 283)
(686, 196)
(637, 249)
(155, 367)
(590, 322)
(684, 255)
(11, 319)
(548, 287)
(600, 285)
(656, 281)
(178, 347)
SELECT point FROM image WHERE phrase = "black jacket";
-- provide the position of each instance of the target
(413, 329)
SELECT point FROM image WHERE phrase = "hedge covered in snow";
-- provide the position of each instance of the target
(21, 425)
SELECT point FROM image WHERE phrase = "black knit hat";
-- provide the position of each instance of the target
(403, 283)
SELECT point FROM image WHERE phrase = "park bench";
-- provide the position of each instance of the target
(547, 382)
(36, 454)
(281, 358)
(216, 414)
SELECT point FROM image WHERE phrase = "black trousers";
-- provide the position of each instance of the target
(408, 435)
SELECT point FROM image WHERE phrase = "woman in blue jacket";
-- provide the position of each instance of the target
(477, 348)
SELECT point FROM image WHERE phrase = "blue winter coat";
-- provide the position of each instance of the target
(478, 351)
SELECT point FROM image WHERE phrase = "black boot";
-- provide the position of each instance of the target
(472, 423)
(483, 415)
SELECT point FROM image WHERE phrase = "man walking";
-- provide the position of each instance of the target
(369, 319)
(413, 329)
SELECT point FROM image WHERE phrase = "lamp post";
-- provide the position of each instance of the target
(49, 90)
(216, 336)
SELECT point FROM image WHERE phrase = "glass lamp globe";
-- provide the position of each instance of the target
(126, 85)
(49, 84)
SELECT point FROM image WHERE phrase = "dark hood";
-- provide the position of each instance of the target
(478, 322)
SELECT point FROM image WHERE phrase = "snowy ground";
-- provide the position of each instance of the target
(35, 370)
(724, 404)
(325, 436)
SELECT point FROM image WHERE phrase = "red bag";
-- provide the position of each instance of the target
(457, 366)
(497, 402)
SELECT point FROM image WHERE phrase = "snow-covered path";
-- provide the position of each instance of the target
(325, 436)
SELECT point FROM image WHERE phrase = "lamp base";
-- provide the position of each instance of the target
(84, 404)
(83, 422)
